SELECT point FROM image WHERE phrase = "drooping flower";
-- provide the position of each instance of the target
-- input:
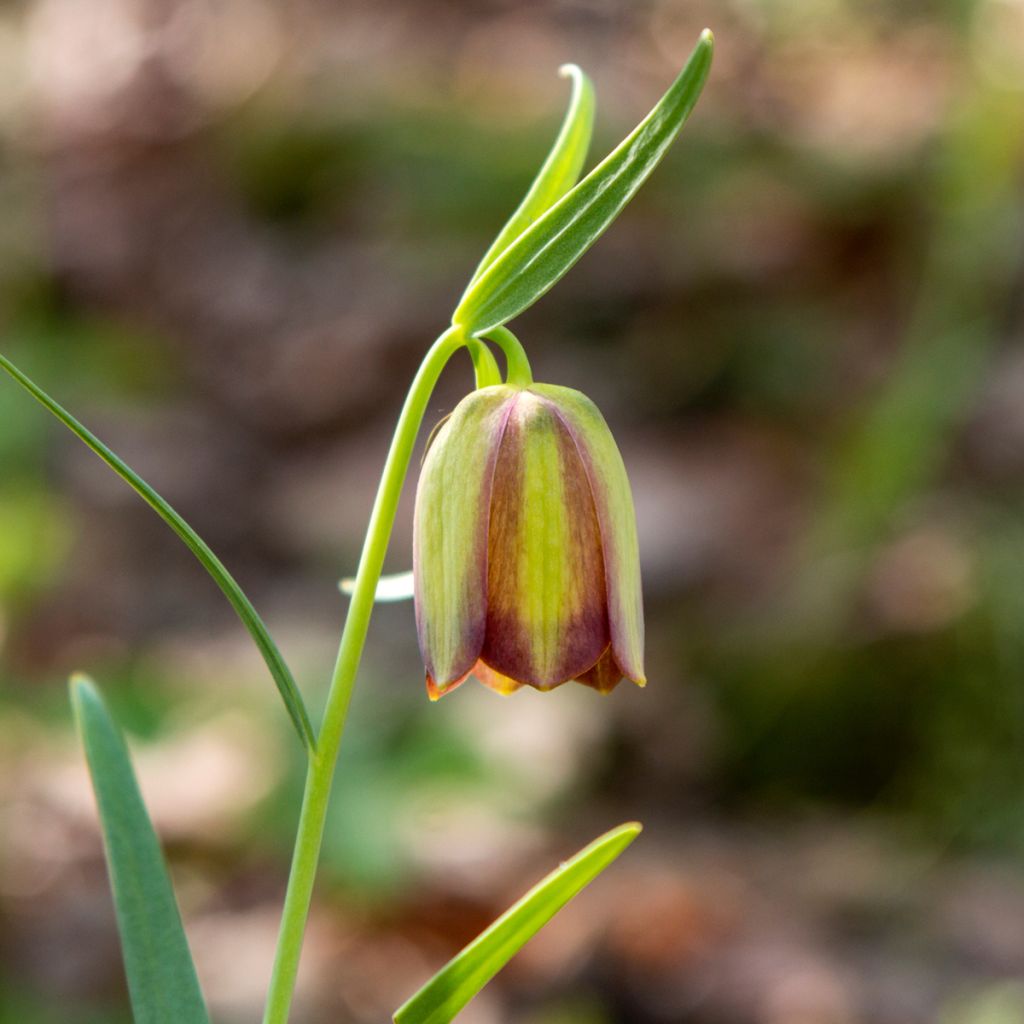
(525, 549)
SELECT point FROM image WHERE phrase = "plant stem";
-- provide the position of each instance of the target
(320, 772)
(519, 373)
(484, 364)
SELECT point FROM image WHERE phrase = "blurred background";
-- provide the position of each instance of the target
(230, 229)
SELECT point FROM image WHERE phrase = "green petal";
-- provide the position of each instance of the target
(450, 534)
(613, 500)
(547, 616)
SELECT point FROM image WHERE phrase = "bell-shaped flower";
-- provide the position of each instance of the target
(525, 549)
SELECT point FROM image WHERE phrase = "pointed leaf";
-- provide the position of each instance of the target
(396, 587)
(559, 171)
(547, 249)
(161, 977)
(461, 978)
(210, 562)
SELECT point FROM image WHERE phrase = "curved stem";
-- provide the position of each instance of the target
(320, 772)
(484, 364)
(519, 373)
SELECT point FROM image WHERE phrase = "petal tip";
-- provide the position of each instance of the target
(606, 675)
(494, 680)
(435, 692)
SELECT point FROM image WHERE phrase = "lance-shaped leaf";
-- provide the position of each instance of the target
(462, 977)
(547, 249)
(210, 562)
(559, 171)
(162, 980)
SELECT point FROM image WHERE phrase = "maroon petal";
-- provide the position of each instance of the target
(605, 675)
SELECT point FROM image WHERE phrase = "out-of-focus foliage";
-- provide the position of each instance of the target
(229, 233)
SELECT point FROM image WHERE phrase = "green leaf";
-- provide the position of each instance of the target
(547, 249)
(462, 977)
(211, 563)
(559, 171)
(161, 977)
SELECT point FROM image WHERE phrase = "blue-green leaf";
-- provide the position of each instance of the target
(559, 171)
(462, 977)
(280, 672)
(162, 980)
(547, 249)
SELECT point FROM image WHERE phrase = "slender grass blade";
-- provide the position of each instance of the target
(280, 672)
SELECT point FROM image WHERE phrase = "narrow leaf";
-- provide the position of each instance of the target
(162, 980)
(559, 171)
(211, 563)
(396, 587)
(462, 977)
(547, 249)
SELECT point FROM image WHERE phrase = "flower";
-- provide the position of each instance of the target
(525, 560)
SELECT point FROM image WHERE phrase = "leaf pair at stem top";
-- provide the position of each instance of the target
(559, 220)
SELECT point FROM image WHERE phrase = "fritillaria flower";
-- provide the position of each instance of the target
(525, 548)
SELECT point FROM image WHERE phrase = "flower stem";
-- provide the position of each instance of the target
(484, 364)
(519, 373)
(320, 772)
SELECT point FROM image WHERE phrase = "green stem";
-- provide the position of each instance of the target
(484, 364)
(519, 373)
(320, 772)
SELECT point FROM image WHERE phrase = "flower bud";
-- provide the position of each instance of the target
(525, 556)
